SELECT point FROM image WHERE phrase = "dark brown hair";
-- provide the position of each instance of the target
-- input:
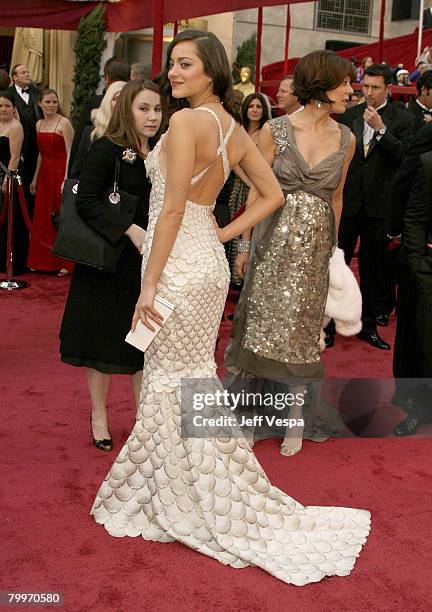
(382, 70)
(211, 52)
(318, 72)
(117, 70)
(4, 79)
(8, 96)
(121, 127)
(265, 110)
(15, 69)
(46, 92)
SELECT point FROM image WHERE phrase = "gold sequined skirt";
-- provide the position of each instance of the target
(276, 329)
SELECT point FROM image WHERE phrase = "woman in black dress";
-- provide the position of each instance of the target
(11, 139)
(100, 305)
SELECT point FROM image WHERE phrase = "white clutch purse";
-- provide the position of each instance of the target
(142, 337)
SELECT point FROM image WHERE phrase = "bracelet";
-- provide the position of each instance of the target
(243, 246)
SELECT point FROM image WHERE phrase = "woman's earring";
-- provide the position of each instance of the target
(318, 103)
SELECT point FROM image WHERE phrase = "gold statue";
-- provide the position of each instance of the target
(245, 86)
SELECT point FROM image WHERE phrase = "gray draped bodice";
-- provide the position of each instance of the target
(294, 173)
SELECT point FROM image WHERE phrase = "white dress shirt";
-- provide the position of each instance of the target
(24, 95)
(368, 131)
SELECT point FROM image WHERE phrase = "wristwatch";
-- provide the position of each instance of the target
(381, 131)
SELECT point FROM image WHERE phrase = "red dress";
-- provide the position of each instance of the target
(48, 199)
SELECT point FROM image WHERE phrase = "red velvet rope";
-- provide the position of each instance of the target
(5, 207)
(27, 219)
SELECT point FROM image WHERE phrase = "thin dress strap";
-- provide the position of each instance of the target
(221, 150)
(55, 129)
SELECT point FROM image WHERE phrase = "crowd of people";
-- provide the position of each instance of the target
(294, 182)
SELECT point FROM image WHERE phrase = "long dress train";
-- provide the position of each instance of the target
(211, 494)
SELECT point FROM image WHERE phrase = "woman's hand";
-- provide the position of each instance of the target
(218, 230)
(4, 185)
(33, 186)
(137, 235)
(145, 310)
(241, 264)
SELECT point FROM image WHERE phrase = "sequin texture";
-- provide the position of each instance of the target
(286, 303)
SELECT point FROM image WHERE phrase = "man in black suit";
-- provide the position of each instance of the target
(408, 394)
(421, 108)
(114, 70)
(412, 365)
(26, 97)
(383, 133)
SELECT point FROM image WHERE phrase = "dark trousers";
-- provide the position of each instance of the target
(412, 358)
(387, 295)
(371, 259)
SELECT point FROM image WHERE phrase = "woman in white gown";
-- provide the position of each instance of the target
(209, 493)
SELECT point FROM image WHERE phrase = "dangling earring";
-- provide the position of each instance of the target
(318, 103)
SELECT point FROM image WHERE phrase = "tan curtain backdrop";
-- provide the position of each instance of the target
(28, 50)
(59, 63)
(49, 56)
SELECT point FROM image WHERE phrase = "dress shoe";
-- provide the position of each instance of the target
(373, 338)
(329, 338)
(329, 334)
(382, 319)
(104, 445)
(408, 426)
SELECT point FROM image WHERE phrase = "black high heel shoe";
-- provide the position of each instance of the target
(104, 445)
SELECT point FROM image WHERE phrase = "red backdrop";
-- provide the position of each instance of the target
(121, 17)
(402, 49)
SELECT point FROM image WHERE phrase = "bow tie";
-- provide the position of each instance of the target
(426, 111)
(381, 111)
(26, 90)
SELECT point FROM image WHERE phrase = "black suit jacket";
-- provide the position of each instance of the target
(416, 237)
(406, 176)
(418, 218)
(417, 113)
(85, 119)
(370, 178)
(29, 116)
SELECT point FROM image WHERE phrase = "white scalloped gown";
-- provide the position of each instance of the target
(210, 494)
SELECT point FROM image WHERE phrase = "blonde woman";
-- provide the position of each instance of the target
(100, 119)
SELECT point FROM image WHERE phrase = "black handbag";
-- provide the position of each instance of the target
(78, 242)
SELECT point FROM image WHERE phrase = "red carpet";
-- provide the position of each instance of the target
(51, 473)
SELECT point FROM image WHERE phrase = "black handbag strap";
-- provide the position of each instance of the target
(116, 175)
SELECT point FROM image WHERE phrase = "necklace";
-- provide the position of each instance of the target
(210, 101)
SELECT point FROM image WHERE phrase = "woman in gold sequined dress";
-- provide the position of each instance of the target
(277, 324)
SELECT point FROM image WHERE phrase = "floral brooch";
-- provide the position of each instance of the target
(129, 156)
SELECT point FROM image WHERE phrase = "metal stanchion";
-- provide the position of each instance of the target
(10, 283)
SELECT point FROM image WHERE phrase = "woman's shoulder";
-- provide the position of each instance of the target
(63, 122)
(16, 129)
(278, 128)
(104, 146)
(347, 137)
(181, 117)
(277, 121)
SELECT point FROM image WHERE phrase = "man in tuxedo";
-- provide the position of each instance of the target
(383, 133)
(26, 97)
(114, 70)
(421, 108)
